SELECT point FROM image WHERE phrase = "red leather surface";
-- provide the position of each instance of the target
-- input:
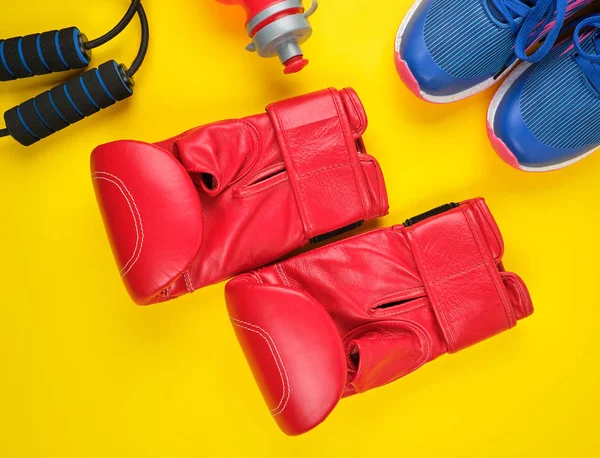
(151, 247)
(234, 195)
(306, 376)
(458, 268)
(397, 297)
(311, 163)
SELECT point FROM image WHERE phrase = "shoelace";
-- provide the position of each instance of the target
(527, 19)
(589, 63)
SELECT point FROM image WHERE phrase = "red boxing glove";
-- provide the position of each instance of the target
(234, 195)
(365, 311)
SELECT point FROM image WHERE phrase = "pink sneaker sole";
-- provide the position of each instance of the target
(501, 148)
(407, 77)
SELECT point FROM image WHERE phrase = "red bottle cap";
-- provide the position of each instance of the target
(295, 64)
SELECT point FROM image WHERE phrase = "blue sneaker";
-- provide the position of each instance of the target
(546, 116)
(447, 50)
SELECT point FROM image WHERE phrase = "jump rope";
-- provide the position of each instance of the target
(79, 97)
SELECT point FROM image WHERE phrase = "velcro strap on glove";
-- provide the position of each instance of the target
(453, 252)
(317, 135)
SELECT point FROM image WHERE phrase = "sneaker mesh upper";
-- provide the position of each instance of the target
(464, 41)
(557, 103)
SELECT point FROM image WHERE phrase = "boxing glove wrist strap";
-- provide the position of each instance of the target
(322, 189)
(447, 283)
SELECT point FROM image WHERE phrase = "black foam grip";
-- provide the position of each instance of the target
(63, 105)
(96, 88)
(36, 123)
(4, 75)
(113, 78)
(68, 103)
(14, 64)
(17, 129)
(81, 97)
(39, 54)
(71, 44)
(46, 105)
(50, 52)
(33, 60)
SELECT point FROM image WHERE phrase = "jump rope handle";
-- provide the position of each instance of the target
(69, 103)
(43, 53)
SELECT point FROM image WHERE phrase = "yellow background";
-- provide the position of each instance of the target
(85, 373)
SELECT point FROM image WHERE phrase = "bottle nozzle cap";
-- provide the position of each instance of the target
(295, 64)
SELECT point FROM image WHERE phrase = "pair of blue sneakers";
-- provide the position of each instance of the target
(546, 114)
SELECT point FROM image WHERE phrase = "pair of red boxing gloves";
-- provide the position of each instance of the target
(225, 198)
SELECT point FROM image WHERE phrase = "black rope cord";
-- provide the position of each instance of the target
(117, 29)
(4, 133)
(141, 55)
